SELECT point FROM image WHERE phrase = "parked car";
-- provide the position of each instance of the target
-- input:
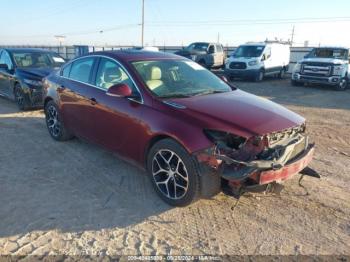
(208, 55)
(21, 74)
(256, 60)
(324, 65)
(188, 128)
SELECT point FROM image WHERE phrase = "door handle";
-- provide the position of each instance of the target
(93, 101)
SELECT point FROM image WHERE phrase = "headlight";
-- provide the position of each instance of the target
(224, 139)
(253, 63)
(338, 70)
(297, 68)
(33, 82)
(193, 57)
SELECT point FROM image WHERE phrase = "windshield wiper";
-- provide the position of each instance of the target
(209, 92)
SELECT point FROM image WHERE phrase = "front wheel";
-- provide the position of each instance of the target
(20, 97)
(260, 76)
(55, 124)
(342, 85)
(174, 173)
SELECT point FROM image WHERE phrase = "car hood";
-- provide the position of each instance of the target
(35, 72)
(187, 53)
(325, 60)
(238, 112)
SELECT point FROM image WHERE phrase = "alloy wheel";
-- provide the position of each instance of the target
(19, 97)
(170, 174)
(53, 123)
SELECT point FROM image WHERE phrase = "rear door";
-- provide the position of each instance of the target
(76, 95)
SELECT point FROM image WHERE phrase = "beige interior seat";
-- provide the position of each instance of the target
(155, 78)
(111, 76)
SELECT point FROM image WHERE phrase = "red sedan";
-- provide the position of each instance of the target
(191, 130)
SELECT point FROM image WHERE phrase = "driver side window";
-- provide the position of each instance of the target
(5, 59)
(109, 73)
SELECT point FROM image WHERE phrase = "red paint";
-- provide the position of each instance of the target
(128, 127)
(287, 171)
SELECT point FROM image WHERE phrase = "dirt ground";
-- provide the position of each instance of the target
(75, 198)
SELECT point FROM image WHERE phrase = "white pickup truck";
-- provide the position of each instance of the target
(324, 65)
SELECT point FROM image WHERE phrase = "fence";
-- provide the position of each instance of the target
(69, 52)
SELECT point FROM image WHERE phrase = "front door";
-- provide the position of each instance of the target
(116, 120)
(6, 76)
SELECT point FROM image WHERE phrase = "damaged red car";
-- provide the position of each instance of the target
(191, 130)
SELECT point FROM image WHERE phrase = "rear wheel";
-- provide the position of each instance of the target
(54, 123)
(342, 84)
(282, 73)
(174, 173)
(20, 97)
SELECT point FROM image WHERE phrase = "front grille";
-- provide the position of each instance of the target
(238, 65)
(316, 69)
(314, 78)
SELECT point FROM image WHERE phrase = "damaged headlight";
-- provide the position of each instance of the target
(224, 139)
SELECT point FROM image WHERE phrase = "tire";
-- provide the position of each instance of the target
(54, 123)
(282, 73)
(295, 83)
(22, 100)
(342, 85)
(260, 76)
(174, 173)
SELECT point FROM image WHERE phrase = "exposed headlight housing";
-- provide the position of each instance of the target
(33, 82)
(225, 139)
(297, 68)
(253, 63)
(338, 70)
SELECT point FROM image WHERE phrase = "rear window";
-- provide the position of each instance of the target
(81, 70)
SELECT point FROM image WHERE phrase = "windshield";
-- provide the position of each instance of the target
(248, 51)
(37, 59)
(198, 47)
(329, 53)
(179, 78)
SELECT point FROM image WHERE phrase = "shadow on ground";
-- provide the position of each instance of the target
(69, 186)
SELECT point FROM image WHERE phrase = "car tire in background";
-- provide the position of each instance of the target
(174, 173)
(296, 83)
(342, 84)
(282, 73)
(22, 100)
(55, 124)
(259, 76)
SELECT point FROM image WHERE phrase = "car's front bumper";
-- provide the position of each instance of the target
(242, 73)
(332, 80)
(34, 96)
(296, 156)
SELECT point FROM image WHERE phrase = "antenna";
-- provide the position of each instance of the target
(143, 22)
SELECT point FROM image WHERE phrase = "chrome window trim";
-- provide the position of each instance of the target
(112, 59)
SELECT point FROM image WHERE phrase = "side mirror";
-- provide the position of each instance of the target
(4, 67)
(119, 90)
(263, 58)
(211, 50)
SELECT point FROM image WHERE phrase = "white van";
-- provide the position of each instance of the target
(256, 60)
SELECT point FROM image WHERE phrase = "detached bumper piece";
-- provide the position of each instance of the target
(294, 156)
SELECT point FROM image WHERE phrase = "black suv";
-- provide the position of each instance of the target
(21, 74)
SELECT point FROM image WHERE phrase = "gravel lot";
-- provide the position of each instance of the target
(75, 198)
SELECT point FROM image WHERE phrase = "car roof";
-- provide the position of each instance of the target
(136, 55)
(332, 47)
(32, 50)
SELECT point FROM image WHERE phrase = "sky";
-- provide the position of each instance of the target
(174, 22)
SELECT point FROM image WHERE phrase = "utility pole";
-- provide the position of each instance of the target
(143, 22)
(292, 40)
(218, 38)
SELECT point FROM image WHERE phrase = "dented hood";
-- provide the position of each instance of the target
(238, 110)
